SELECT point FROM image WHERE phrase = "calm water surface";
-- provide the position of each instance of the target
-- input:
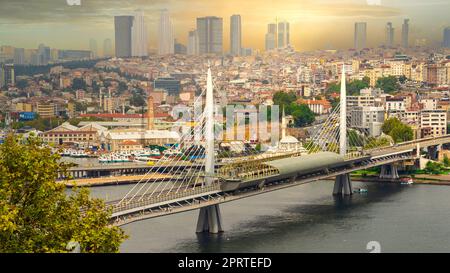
(413, 218)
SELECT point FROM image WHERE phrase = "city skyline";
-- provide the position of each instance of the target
(313, 24)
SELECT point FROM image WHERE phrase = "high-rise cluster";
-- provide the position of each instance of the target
(131, 37)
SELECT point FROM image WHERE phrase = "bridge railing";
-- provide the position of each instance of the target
(163, 198)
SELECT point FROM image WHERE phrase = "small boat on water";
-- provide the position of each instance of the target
(359, 190)
(172, 153)
(406, 181)
(149, 153)
(78, 154)
(145, 159)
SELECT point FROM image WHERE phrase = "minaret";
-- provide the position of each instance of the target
(100, 97)
(150, 114)
(283, 125)
(343, 117)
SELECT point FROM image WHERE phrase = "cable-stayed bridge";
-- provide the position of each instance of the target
(331, 152)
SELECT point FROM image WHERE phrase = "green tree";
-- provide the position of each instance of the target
(353, 87)
(446, 161)
(373, 143)
(37, 215)
(390, 124)
(397, 130)
(433, 167)
(284, 100)
(137, 100)
(302, 115)
(388, 84)
(401, 133)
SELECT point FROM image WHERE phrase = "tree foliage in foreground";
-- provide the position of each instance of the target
(399, 131)
(36, 215)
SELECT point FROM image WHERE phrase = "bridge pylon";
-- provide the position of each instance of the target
(209, 218)
(343, 185)
(389, 172)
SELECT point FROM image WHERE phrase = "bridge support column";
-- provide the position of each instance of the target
(210, 220)
(389, 172)
(343, 184)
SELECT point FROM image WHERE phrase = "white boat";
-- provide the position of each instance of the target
(172, 153)
(145, 159)
(406, 181)
(149, 153)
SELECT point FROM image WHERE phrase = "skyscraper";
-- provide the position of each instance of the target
(122, 25)
(93, 48)
(446, 42)
(210, 34)
(405, 33)
(165, 34)
(360, 35)
(271, 41)
(283, 34)
(139, 37)
(389, 35)
(107, 48)
(235, 35)
(19, 56)
(192, 47)
(7, 75)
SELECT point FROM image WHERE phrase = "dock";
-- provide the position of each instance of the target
(113, 180)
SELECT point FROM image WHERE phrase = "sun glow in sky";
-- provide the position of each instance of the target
(315, 24)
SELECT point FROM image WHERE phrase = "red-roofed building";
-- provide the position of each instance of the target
(319, 107)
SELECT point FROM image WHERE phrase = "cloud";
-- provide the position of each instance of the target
(97, 11)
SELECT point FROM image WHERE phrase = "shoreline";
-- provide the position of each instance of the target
(416, 180)
(113, 181)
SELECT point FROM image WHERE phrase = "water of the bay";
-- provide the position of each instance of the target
(306, 218)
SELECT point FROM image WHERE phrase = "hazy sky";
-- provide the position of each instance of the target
(315, 24)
